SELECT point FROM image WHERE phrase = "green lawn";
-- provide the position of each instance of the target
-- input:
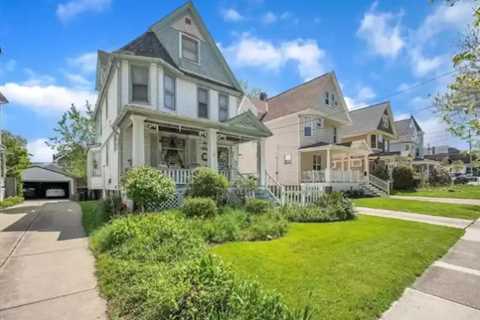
(423, 207)
(345, 270)
(459, 191)
(92, 217)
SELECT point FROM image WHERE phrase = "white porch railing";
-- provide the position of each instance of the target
(379, 183)
(179, 176)
(342, 176)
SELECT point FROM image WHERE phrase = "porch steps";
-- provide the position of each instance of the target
(371, 190)
(265, 194)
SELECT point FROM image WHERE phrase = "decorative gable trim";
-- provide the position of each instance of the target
(190, 10)
(248, 121)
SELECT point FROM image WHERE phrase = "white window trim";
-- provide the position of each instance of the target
(180, 52)
(130, 80)
(208, 103)
(166, 74)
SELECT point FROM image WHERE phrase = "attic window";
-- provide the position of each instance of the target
(385, 122)
(188, 21)
(190, 48)
(327, 100)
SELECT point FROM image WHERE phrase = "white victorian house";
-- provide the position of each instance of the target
(169, 100)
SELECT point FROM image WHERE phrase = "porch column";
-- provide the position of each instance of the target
(138, 140)
(261, 163)
(367, 165)
(328, 168)
(212, 160)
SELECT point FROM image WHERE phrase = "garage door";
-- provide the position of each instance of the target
(46, 189)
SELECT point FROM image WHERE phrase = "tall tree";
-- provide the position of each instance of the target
(459, 106)
(74, 131)
(17, 157)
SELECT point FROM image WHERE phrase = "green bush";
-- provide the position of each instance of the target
(146, 185)
(113, 206)
(237, 225)
(149, 238)
(156, 266)
(381, 171)
(243, 187)
(403, 179)
(258, 206)
(10, 201)
(331, 207)
(439, 177)
(199, 207)
(209, 184)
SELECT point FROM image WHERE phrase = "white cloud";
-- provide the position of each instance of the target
(46, 98)
(269, 17)
(39, 151)
(364, 95)
(382, 32)
(249, 51)
(422, 65)
(34, 78)
(232, 15)
(78, 81)
(446, 18)
(68, 10)
(86, 62)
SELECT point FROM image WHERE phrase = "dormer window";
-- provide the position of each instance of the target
(190, 49)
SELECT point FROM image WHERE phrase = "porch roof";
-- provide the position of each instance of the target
(349, 147)
(245, 124)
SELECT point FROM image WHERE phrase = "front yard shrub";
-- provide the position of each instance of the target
(403, 179)
(156, 266)
(10, 201)
(381, 171)
(199, 207)
(439, 177)
(149, 238)
(146, 185)
(114, 206)
(258, 206)
(208, 183)
(244, 186)
(331, 207)
(237, 225)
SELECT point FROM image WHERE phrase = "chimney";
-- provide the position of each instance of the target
(263, 96)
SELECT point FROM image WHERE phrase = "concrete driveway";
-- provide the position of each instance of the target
(46, 268)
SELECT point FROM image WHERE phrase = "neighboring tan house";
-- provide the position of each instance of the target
(3, 157)
(306, 146)
(169, 100)
(372, 125)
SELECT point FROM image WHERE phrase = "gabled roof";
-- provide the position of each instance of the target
(50, 166)
(247, 120)
(367, 120)
(148, 45)
(3, 100)
(405, 127)
(193, 12)
(306, 96)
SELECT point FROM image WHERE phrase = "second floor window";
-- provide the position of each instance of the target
(308, 127)
(222, 107)
(190, 49)
(139, 84)
(373, 141)
(334, 135)
(169, 92)
(202, 103)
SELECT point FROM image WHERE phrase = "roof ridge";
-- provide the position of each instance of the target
(299, 85)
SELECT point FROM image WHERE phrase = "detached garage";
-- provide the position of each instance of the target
(47, 181)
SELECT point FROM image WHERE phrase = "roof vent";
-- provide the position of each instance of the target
(188, 21)
(263, 96)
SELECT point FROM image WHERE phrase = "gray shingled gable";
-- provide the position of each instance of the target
(148, 45)
(405, 129)
(366, 120)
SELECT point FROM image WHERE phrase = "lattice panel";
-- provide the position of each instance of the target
(172, 203)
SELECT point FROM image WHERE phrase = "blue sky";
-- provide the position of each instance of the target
(376, 49)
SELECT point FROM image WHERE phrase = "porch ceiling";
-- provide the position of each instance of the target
(240, 126)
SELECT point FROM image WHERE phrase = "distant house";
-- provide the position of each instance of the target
(169, 100)
(410, 138)
(314, 140)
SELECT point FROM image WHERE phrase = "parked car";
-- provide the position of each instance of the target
(55, 193)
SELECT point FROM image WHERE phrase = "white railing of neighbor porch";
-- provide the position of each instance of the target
(379, 183)
(313, 176)
(353, 176)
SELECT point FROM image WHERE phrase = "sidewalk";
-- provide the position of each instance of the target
(450, 287)
(475, 202)
(437, 220)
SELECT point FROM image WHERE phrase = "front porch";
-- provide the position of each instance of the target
(176, 145)
(334, 164)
